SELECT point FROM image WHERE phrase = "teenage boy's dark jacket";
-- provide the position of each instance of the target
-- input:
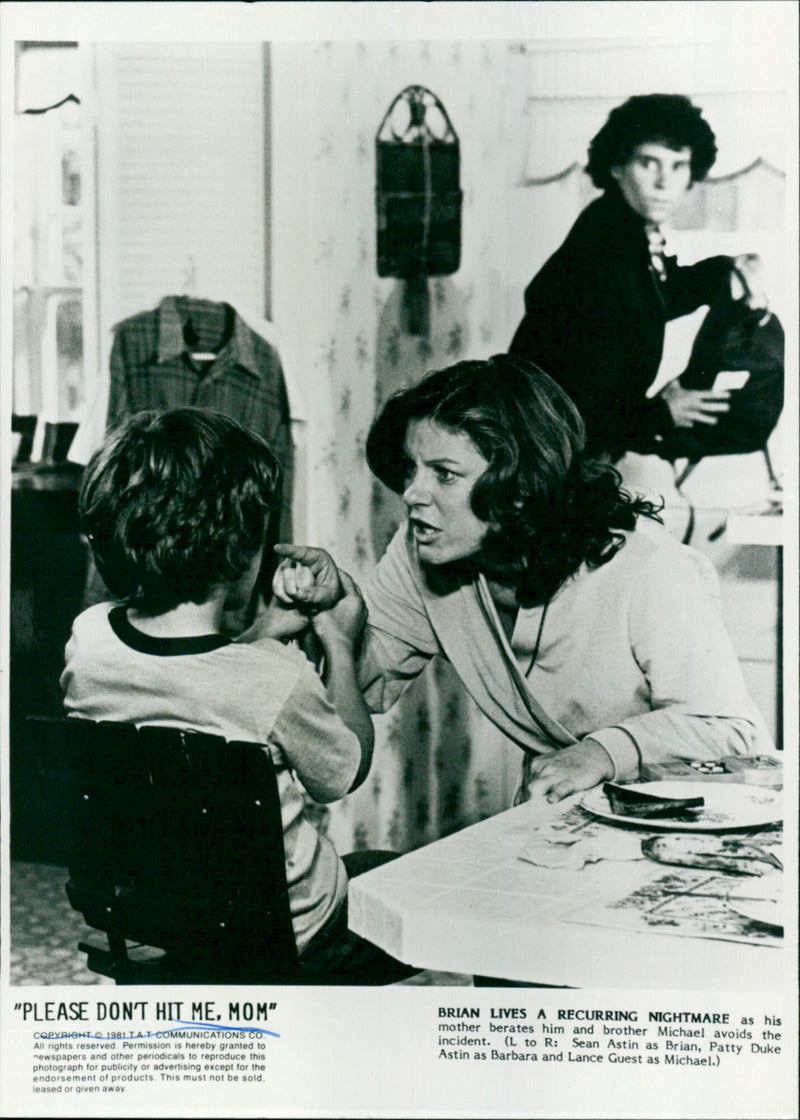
(595, 316)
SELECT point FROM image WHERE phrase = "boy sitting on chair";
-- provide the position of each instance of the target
(176, 505)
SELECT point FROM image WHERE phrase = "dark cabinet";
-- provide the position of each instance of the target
(48, 572)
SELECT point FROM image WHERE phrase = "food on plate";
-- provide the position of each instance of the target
(627, 801)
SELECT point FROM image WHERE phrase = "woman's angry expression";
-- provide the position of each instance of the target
(442, 466)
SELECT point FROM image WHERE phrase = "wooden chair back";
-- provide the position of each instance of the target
(173, 839)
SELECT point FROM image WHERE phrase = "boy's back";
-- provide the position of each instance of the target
(262, 692)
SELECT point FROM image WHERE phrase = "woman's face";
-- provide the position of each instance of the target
(654, 180)
(443, 465)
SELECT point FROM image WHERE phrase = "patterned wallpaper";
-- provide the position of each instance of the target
(437, 767)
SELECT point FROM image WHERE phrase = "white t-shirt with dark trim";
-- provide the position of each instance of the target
(260, 692)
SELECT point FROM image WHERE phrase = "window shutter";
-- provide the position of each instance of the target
(181, 175)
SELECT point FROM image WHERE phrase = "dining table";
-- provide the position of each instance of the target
(566, 894)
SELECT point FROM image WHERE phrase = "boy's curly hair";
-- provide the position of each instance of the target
(175, 503)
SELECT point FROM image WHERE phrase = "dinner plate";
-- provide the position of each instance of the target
(727, 806)
(760, 900)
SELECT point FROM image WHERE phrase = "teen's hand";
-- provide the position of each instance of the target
(747, 281)
(694, 406)
(291, 584)
(560, 773)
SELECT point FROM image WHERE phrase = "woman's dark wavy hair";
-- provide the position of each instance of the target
(656, 118)
(174, 503)
(549, 507)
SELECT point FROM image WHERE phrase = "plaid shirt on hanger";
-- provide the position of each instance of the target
(152, 366)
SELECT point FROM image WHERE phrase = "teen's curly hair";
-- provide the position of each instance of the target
(174, 503)
(549, 508)
(657, 118)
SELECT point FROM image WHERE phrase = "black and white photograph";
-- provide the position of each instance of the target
(398, 613)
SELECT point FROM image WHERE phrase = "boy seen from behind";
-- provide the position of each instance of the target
(176, 505)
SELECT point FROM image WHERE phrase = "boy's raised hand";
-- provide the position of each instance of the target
(290, 582)
(307, 578)
(344, 621)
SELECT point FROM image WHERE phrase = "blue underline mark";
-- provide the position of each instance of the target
(220, 1027)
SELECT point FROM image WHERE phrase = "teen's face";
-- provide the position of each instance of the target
(654, 180)
(443, 465)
